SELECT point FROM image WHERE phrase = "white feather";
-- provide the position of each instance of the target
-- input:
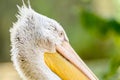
(31, 36)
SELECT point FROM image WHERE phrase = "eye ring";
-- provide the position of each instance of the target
(61, 33)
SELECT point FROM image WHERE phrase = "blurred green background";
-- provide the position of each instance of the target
(93, 28)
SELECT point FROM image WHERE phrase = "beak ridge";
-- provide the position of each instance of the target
(67, 51)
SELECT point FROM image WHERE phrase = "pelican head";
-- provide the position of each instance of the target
(35, 35)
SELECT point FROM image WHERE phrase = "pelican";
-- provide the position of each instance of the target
(41, 49)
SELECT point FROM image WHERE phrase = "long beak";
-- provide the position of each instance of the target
(67, 51)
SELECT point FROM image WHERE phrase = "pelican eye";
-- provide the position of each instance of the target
(61, 34)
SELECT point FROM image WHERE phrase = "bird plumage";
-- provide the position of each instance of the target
(34, 35)
(27, 45)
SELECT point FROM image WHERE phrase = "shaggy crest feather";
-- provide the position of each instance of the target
(32, 36)
(28, 45)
